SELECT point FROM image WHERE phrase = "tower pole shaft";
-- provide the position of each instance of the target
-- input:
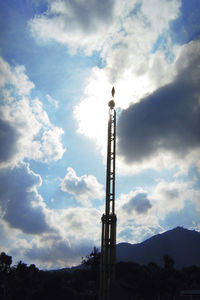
(108, 238)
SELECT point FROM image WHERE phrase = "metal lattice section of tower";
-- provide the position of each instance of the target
(109, 219)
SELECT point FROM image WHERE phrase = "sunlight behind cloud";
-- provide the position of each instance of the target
(92, 111)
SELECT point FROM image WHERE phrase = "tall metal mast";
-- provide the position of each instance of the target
(109, 219)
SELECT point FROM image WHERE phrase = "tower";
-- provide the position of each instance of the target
(109, 219)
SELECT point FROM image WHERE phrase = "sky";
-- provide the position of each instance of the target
(58, 62)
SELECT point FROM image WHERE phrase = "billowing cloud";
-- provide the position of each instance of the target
(165, 201)
(21, 205)
(25, 128)
(75, 23)
(68, 234)
(81, 222)
(59, 254)
(139, 203)
(134, 209)
(136, 219)
(85, 188)
(171, 196)
(15, 77)
(168, 120)
(105, 25)
(76, 231)
(54, 252)
(123, 33)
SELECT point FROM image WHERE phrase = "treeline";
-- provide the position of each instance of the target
(133, 281)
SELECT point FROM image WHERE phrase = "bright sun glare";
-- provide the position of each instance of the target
(92, 111)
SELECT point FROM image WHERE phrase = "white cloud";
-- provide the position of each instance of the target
(81, 223)
(85, 188)
(136, 233)
(26, 131)
(170, 196)
(21, 81)
(101, 25)
(16, 77)
(51, 144)
(75, 24)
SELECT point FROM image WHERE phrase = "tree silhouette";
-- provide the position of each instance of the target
(5, 262)
(133, 281)
(92, 260)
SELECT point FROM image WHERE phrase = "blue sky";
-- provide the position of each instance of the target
(58, 62)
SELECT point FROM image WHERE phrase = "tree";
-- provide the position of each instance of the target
(33, 269)
(92, 260)
(21, 268)
(5, 262)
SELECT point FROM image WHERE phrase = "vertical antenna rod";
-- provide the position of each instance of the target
(109, 219)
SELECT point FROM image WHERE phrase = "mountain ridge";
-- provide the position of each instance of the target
(182, 245)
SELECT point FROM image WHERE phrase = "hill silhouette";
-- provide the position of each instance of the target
(181, 244)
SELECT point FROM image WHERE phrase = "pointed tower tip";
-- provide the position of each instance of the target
(113, 92)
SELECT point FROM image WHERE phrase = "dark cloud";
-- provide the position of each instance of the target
(168, 119)
(8, 141)
(58, 250)
(139, 203)
(60, 253)
(17, 193)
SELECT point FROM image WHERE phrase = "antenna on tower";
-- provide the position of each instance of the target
(109, 219)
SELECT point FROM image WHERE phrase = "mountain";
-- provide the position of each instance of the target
(181, 244)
